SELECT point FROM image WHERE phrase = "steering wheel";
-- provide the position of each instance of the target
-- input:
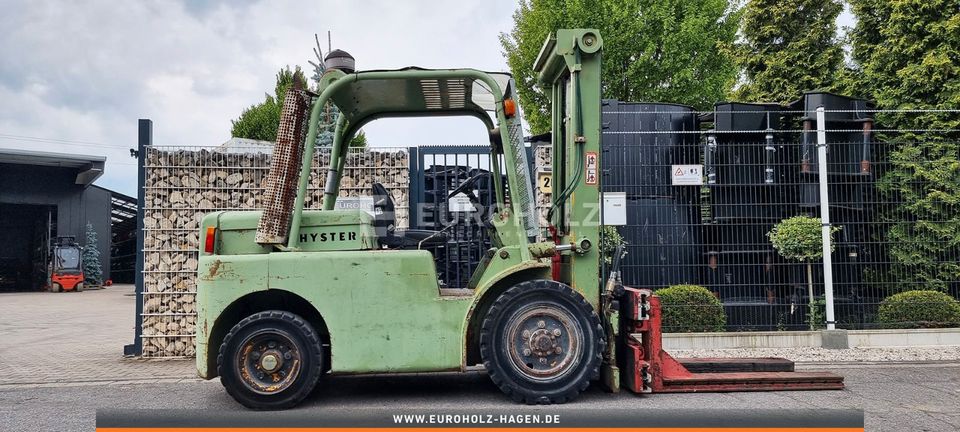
(466, 188)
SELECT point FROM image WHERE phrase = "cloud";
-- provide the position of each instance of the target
(86, 71)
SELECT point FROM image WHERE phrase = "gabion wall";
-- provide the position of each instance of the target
(183, 184)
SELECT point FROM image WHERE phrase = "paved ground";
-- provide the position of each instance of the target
(73, 337)
(60, 361)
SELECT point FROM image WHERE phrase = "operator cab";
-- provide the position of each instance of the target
(65, 267)
(365, 96)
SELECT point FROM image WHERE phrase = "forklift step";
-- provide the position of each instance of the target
(752, 381)
(728, 365)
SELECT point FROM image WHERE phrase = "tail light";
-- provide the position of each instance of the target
(208, 241)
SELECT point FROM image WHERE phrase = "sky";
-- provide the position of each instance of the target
(76, 76)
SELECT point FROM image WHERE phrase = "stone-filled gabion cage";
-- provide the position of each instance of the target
(184, 183)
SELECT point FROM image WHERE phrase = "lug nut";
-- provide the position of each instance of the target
(556, 332)
(525, 334)
(543, 360)
(255, 355)
(541, 324)
(287, 356)
(272, 344)
(526, 352)
(558, 350)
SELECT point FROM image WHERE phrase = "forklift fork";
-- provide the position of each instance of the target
(647, 368)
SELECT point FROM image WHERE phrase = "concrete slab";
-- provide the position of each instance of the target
(834, 339)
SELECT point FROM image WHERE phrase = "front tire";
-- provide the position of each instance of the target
(542, 342)
(270, 360)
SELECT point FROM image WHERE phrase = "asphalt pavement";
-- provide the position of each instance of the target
(60, 361)
(894, 397)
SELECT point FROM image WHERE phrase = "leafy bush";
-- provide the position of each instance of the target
(610, 238)
(691, 308)
(919, 309)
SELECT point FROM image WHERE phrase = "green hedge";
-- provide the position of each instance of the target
(691, 308)
(919, 309)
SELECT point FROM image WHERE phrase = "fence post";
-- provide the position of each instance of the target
(825, 215)
(144, 139)
(415, 179)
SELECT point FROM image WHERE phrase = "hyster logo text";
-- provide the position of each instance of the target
(324, 237)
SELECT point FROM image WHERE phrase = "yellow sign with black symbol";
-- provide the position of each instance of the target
(545, 182)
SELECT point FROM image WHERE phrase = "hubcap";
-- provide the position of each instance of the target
(269, 361)
(544, 342)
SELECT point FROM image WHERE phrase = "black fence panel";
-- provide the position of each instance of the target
(435, 171)
(760, 166)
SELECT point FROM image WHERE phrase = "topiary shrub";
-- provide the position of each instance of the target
(919, 309)
(691, 308)
(800, 238)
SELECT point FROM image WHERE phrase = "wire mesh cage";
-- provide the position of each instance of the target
(184, 183)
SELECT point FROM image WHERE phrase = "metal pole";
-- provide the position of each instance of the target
(825, 216)
(145, 138)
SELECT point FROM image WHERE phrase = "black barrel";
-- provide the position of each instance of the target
(850, 161)
(753, 285)
(641, 144)
(750, 165)
(642, 141)
(663, 243)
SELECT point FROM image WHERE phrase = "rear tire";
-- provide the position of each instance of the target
(270, 360)
(542, 342)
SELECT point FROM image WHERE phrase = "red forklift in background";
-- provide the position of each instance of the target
(65, 267)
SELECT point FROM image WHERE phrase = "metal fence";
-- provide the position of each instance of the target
(705, 189)
(435, 172)
(702, 191)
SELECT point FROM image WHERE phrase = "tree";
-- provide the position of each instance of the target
(260, 121)
(654, 50)
(788, 47)
(800, 238)
(906, 58)
(359, 140)
(92, 270)
(328, 124)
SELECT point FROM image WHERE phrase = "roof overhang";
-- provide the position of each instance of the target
(89, 168)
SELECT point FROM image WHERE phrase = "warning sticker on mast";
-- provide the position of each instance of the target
(591, 173)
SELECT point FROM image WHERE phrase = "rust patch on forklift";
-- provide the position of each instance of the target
(214, 268)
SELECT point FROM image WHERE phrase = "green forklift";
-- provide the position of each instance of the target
(287, 295)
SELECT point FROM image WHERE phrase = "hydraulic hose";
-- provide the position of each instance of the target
(577, 134)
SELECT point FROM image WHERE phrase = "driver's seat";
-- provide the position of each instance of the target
(384, 222)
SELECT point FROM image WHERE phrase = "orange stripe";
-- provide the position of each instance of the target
(492, 429)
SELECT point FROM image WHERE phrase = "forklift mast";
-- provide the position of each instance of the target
(568, 69)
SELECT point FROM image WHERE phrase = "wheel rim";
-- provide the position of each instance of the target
(269, 361)
(544, 342)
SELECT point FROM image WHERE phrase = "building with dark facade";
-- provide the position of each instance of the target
(42, 196)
